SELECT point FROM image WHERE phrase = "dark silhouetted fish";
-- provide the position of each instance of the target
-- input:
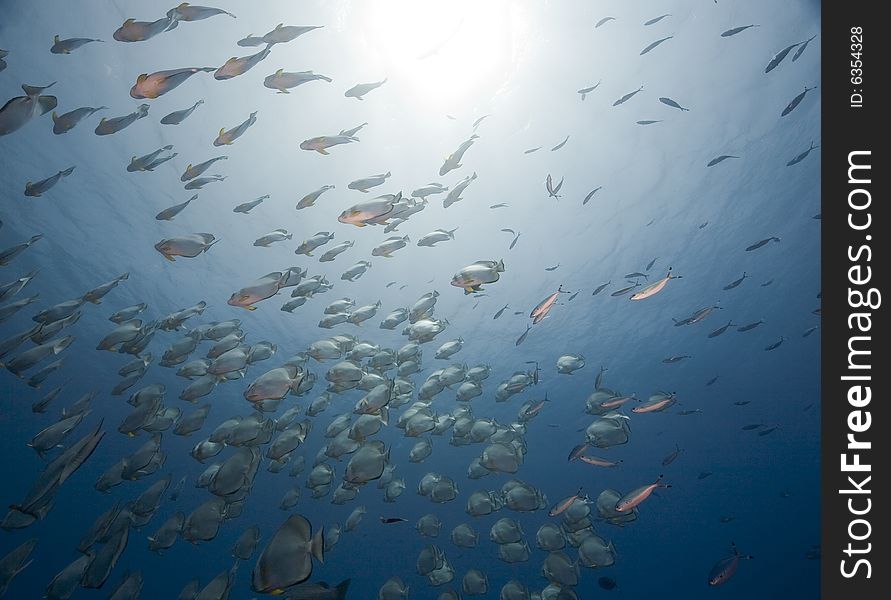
(654, 44)
(801, 156)
(655, 20)
(736, 30)
(673, 104)
(796, 101)
(719, 159)
(627, 97)
(778, 58)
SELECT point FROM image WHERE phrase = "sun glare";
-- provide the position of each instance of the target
(446, 50)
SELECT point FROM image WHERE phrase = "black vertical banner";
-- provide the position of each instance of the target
(856, 435)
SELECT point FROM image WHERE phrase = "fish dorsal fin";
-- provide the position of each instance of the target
(279, 72)
(55, 39)
(128, 22)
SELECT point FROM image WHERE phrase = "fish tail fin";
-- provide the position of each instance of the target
(318, 545)
(341, 589)
(68, 171)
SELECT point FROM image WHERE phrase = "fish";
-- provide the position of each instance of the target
(193, 171)
(735, 30)
(476, 123)
(600, 288)
(720, 330)
(604, 20)
(522, 338)
(653, 288)
(796, 101)
(655, 20)
(310, 199)
(322, 143)
(531, 150)
(673, 104)
(227, 137)
(169, 213)
(767, 283)
(246, 207)
(360, 89)
(276, 235)
(591, 194)
(36, 189)
(391, 520)
(726, 567)
(287, 558)
(599, 462)
(778, 57)
(366, 183)
(472, 277)
(501, 311)
(750, 326)
(719, 159)
(761, 243)
(282, 81)
(453, 161)
(147, 162)
(627, 97)
(561, 506)
(672, 457)
(236, 66)
(187, 246)
(802, 48)
(200, 182)
(775, 345)
(66, 122)
(800, 157)
(151, 86)
(585, 91)
(188, 12)
(115, 124)
(735, 282)
(675, 359)
(633, 498)
(561, 144)
(283, 34)
(810, 331)
(647, 122)
(542, 309)
(552, 190)
(139, 31)
(624, 290)
(178, 116)
(553, 268)
(18, 111)
(654, 44)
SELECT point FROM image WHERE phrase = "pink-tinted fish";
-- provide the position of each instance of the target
(726, 567)
(566, 503)
(660, 402)
(598, 462)
(541, 311)
(638, 495)
(655, 288)
(617, 401)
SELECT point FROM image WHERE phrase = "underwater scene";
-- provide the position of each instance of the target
(342, 299)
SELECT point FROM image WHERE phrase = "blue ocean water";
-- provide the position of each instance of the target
(446, 65)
